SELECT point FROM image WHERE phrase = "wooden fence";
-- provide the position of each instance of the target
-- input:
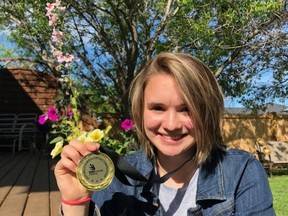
(242, 131)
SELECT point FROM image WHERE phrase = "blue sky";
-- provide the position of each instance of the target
(4, 42)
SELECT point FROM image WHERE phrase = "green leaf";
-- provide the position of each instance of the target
(57, 139)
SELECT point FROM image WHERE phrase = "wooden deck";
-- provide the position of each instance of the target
(27, 185)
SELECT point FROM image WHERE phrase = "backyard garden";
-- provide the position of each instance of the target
(73, 59)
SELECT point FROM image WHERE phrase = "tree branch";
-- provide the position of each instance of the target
(236, 51)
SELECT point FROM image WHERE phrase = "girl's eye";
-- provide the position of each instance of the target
(185, 109)
(157, 108)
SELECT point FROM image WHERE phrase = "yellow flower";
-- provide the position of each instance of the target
(95, 136)
(69, 138)
(107, 129)
(82, 137)
(76, 132)
(57, 149)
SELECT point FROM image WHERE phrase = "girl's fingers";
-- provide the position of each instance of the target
(68, 164)
(74, 152)
(84, 148)
(71, 153)
(92, 146)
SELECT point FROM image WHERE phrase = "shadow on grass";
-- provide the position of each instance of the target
(280, 171)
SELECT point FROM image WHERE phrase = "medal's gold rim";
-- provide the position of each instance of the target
(105, 182)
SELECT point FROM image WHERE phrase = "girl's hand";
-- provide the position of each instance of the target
(65, 170)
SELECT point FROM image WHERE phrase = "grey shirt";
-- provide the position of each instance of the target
(175, 201)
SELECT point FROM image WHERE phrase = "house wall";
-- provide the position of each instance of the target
(29, 91)
(26, 91)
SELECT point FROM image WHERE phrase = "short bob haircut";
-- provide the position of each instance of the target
(200, 92)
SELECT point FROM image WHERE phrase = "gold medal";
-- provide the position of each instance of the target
(95, 171)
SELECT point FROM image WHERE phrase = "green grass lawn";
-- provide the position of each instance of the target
(279, 187)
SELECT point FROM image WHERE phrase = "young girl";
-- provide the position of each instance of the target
(177, 108)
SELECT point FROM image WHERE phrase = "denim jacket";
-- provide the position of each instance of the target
(230, 183)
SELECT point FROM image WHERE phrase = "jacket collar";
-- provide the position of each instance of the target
(210, 185)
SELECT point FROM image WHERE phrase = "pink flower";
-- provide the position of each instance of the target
(57, 53)
(57, 33)
(60, 58)
(69, 57)
(42, 119)
(52, 114)
(70, 112)
(61, 8)
(52, 19)
(48, 13)
(67, 65)
(57, 36)
(66, 58)
(50, 7)
(127, 124)
(57, 3)
(57, 40)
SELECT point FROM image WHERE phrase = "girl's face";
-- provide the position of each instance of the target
(167, 122)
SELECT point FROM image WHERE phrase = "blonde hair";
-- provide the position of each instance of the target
(200, 92)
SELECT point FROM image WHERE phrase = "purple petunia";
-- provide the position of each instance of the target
(52, 114)
(127, 124)
(42, 119)
(70, 112)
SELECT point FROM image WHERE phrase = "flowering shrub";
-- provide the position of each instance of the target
(67, 128)
(53, 12)
(64, 119)
(125, 142)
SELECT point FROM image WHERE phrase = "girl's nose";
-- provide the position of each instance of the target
(171, 121)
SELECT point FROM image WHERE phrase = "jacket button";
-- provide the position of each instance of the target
(198, 213)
